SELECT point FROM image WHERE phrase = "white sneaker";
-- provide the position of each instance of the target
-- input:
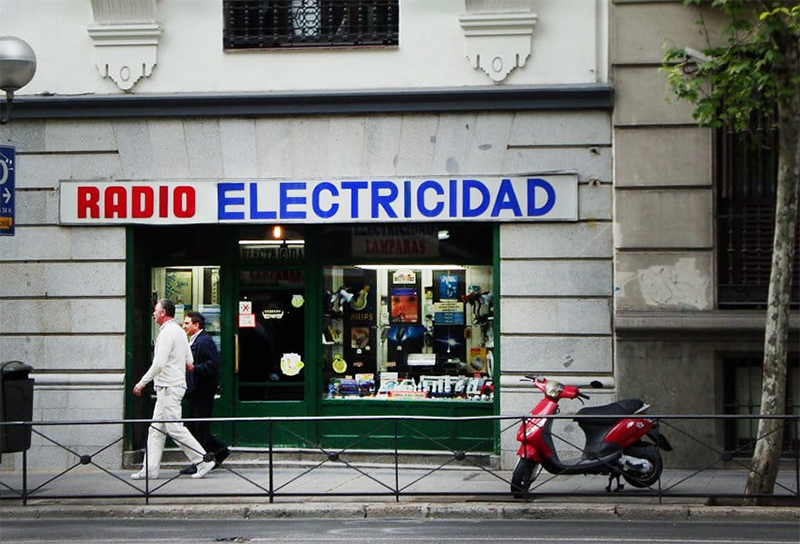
(142, 475)
(203, 469)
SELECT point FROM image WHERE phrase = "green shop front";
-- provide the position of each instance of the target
(329, 300)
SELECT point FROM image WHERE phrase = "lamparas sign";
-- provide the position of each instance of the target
(518, 198)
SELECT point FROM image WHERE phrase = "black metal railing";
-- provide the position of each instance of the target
(281, 24)
(94, 472)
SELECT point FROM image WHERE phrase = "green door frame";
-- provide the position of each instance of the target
(140, 260)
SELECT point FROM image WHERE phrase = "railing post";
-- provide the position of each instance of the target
(271, 473)
(144, 465)
(396, 465)
(524, 427)
(660, 489)
(797, 458)
(24, 476)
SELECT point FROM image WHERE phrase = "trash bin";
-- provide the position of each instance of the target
(16, 404)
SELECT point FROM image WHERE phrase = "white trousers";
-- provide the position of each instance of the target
(168, 406)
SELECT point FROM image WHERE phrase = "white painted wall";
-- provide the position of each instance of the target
(568, 47)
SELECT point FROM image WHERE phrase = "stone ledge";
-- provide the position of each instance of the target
(726, 321)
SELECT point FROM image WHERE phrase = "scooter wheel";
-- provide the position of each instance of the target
(647, 479)
(524, 474)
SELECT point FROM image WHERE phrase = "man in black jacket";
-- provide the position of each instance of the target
(202, 379)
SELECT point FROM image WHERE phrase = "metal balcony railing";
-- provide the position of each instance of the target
(285, 24)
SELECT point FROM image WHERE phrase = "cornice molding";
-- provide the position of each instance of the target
(441, 100)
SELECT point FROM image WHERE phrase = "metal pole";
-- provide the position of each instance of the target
(24, 477)
(660, 490)
(797, 458)
(144, 467)
(271, 473)
(396, 466)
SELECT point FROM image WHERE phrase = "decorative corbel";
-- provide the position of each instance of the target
(498, 35)
(125, 36)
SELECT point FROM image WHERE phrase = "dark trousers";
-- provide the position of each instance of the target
(199, 404)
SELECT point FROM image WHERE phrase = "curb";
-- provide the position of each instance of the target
(323, 510)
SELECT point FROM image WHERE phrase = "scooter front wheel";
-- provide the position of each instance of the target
(524, 474)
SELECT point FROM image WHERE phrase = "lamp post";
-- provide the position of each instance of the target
(17, 67)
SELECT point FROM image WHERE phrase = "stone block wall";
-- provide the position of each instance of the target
(667, 340)
(63, 289)
(62, 292)
(556, 278)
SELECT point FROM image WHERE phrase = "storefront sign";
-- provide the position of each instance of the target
(272, 254)
(521, 198)
(395, 241)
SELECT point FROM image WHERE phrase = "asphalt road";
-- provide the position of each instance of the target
(105, 531)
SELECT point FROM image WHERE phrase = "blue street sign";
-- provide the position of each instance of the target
(7, 160)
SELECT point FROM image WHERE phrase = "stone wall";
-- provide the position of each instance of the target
(63, 289)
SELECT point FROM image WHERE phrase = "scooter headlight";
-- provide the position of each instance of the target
(553, 389)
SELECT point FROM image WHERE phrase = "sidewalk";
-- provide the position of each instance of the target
(334, 490)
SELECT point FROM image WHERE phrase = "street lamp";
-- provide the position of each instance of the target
(17, 67)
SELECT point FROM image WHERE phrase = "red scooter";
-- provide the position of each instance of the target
(615, 441)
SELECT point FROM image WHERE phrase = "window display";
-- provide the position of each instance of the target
(411, 332)
(190, 288)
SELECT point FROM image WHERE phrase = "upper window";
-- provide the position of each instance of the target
(746, 180)
(279, 24)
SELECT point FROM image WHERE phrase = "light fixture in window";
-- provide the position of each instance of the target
(443, 235)
(277, 232)
(271, 242)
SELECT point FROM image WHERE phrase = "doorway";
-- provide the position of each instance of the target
(272, 347)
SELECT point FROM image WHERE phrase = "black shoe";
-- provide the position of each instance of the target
(191, 469)
(220, 457)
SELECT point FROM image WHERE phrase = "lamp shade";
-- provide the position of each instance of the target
(17, 63)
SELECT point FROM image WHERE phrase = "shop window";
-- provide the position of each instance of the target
(742, 383)
(280, 24)
(191, 288)
(410, 332)
(746, 177)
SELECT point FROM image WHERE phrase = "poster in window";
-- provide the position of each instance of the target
(404, 305)
(448, 286)
(359, 337)
(178, 287)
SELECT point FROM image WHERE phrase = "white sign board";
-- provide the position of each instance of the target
(492, 199)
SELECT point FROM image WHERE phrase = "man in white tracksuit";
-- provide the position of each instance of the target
(168, 374)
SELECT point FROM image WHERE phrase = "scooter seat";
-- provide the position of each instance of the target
(620, 408)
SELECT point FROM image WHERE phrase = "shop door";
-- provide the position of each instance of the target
(270, 372)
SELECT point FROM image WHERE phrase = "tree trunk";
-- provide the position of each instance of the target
(766, 457)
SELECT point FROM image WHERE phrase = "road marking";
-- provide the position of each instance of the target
(416, 538)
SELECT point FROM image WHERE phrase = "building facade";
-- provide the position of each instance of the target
(691, 262)
(451, 215)
(152, 122)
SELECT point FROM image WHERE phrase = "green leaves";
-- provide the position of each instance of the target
(751, 73)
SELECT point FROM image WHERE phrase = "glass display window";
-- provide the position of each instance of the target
(191, 288)
(410, 332)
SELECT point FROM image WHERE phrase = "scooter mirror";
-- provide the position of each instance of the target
(596, 384)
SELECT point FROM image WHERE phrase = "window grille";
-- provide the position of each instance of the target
(742, 383)
(747, 172)
(279, 24)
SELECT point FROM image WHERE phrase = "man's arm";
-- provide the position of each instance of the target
(160, 355)
(207, 363)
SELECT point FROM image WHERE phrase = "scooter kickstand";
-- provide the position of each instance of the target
(619, 487)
